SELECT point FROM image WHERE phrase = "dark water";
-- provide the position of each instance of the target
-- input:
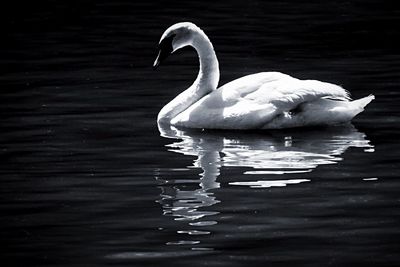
(88, 179)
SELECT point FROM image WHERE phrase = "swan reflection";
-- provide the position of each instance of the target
(271, 154)
(182, 203)
(291, 151)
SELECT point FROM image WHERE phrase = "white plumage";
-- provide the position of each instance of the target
(267, 100)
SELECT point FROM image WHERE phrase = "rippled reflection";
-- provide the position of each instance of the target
(272, 154)
(294, 151)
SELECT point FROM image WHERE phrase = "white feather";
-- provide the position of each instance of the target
(267, 100)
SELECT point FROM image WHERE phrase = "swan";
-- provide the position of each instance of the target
(265, 100)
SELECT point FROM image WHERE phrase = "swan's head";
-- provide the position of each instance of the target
(175, 37)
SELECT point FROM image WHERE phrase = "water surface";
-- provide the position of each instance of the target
(88, 178)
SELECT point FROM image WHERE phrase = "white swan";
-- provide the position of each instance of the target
(266, 100)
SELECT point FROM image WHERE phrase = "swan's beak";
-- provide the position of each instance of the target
(162, 55)
(164, 50)
(157, 61)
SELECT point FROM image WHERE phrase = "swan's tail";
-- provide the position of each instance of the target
(322, 112)
(360, 104)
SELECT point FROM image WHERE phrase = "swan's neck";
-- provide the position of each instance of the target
(208, 77)
(206, 81)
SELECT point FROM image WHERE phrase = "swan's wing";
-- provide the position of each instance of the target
(253, 82)
(276, 87)
(287, 94)
(254, 100)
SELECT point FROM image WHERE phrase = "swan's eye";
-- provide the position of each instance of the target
(166, 43)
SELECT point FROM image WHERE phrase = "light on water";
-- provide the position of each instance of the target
(272, 183)
(277, 172)
(370, 179)
(193, 232)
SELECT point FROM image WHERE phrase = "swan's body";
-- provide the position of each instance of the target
(267, 100)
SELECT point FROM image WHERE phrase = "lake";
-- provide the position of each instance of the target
(89, 179)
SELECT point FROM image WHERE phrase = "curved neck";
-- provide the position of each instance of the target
(208, 76)
(206, 81)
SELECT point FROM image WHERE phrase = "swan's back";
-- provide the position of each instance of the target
(266, 100)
